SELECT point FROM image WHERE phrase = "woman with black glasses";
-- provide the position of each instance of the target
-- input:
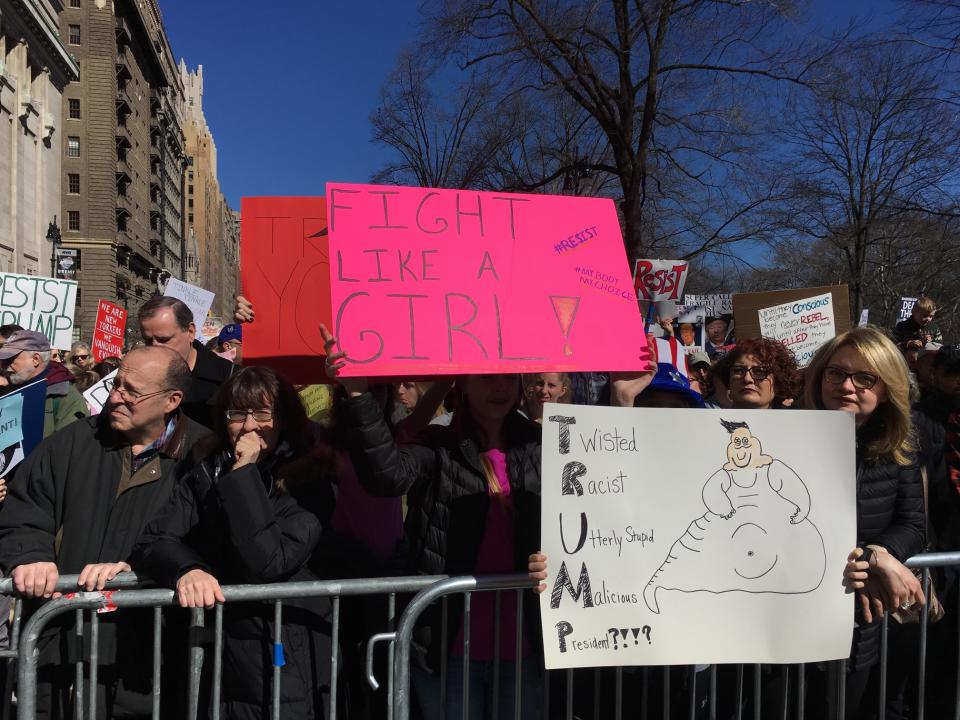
(252, 512)
(862, 372)
(761, 374)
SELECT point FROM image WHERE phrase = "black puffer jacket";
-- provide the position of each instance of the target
(889, 514)
(930, 419)
(446, 489)
(238, 526)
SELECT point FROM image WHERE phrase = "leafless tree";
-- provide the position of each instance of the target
(873, 145)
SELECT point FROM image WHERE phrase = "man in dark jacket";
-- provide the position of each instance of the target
(78, 504)
(169, 322)
(24, 357)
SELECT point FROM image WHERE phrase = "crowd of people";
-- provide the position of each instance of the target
(201, 472)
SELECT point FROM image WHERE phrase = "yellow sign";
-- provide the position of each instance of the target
(316, 399)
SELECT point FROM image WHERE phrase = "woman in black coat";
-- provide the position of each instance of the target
(862, 372)
(252, 512)
(473, 497)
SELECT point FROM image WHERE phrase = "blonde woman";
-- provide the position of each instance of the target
(862, 372)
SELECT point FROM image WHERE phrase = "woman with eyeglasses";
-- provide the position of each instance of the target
(863, 373)
(761, 374)
(252, 512)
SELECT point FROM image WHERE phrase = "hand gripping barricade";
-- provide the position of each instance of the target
(701, 697)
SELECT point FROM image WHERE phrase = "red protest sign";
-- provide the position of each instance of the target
(108, 331)
(427, 281)
(285, 273)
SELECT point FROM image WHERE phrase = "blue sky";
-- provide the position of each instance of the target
(288, 93)
(289, 87)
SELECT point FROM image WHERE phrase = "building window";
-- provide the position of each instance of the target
(190, 188)
(74, 108)
(73, 220)
(73, 180)
(190, 203)
(190, 218)
(74, 35)
(79, 297)
(74, 3)
(73, 146)
(190, 176)
(190, 161)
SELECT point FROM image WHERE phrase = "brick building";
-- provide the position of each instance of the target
(124, 160)
(209, 223)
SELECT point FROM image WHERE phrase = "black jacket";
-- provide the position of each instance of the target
(930, 420)
(889, 514)
(209, 372)
(446, 489)
(239, 527)
(64, 507)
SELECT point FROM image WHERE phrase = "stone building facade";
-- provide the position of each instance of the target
(209, 221)
(123, 155)
(35, 67)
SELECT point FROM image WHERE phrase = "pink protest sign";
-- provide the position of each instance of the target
(427, 281)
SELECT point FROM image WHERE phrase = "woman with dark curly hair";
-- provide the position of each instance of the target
(762, 374)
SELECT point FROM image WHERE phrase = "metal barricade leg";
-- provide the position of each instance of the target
(195, 662)
(924, 624)
(157, 648)
(217, 680)
(335, 643)
(278, 658)
(94, 660)
(518, 654)
(78, 681)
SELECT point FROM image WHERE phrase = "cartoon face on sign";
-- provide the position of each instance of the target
(743, 449)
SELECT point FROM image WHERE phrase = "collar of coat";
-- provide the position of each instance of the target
(173, 443)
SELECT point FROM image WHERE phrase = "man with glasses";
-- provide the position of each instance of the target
(78, 504)
(168, 321)
(24, 357)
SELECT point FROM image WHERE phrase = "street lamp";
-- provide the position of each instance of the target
(53, 235)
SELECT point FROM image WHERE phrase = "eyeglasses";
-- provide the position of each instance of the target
(131, 397)
(758, 372)
(80, 357)
(861, 380)
(239, 416)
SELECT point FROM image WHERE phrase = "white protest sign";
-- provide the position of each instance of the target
(197, 299)
(656, 280)
(96, 396)
(714, 305)
(802, 326)
(864, 317)
(906, 308)
(41, 304)
(660, 558)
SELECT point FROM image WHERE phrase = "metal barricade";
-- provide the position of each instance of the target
(82, 602)
(737, 690)
(8, 656)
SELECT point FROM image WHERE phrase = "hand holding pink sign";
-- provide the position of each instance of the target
(427, 281)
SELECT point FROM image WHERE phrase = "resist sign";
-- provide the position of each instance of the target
(430, 281)
(108, 331)
(41, 304)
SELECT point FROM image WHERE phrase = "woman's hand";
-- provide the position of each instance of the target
(625, 387)
(96, 576)
(898, 586)
(242, 310)
(855, 573)
(537, 569)
(198, 589)
(247, 450)
(336, 362)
